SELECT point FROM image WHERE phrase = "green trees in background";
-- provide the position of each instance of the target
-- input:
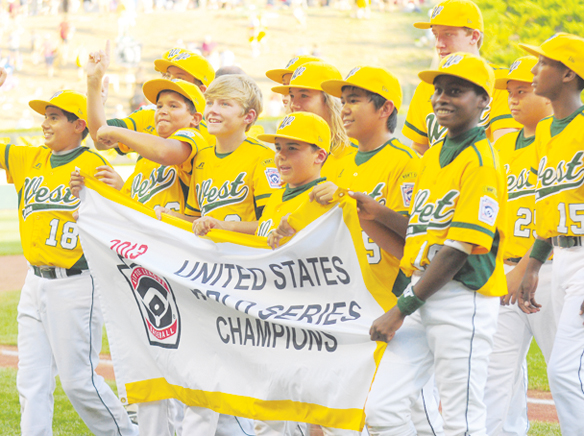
(508, 22)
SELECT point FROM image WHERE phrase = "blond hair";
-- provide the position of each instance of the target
(339, 138)
(240, 88)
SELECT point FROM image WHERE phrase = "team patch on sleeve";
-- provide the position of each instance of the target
(273, 178)
(488, 211)
(407, 190)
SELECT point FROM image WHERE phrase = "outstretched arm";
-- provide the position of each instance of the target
(96, 67)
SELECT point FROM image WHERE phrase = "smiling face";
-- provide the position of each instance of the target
(298, 162)
(60, 133)
(172, 113)
(225, 117)
(456, 103)
(358, 113)
(526, 107)
(308, 100)
(451, 39)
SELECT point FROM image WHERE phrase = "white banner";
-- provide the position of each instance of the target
(247, 331)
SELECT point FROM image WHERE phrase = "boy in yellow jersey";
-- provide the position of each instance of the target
(559, 202)
(161, 178)
(458, 27)
(506, 391)
(59, 316)
(175, 64)
(284, 75)
(233, 180)
(306, 94)
(446, 317)
(386, 170)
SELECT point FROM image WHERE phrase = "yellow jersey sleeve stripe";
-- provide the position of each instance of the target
(461, 225)
(415, 129)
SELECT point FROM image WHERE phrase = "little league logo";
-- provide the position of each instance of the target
(292, 62)
(452, 60)
(286, 122)
(407, 189)
(273, 178)
(352, 72)
(298, 72)
(436, 11)
(514, 66)
(488, 211)
(156, 303)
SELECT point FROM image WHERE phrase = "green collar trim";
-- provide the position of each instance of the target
(64, 159)
(452, 147)
(363, 156)
(559, 125)
(222, 155)
(290, 193)
(522, 141)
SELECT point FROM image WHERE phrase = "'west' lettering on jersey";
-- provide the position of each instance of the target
(37, 197)
(160, 178)
(230, 192)
(567, 175)
(437, 214)
(518, 185)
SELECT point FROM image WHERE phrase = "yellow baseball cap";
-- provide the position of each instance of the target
(456, 13)
(372, 79)
(188, 90)
(69, 101)
(310, 76)
(186, 60)
(519, 70)
(276, 75)
(305, 127)
(466, 66)
(562, 47)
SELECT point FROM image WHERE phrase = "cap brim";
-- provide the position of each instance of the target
(428, 76)
(422, 25)
(276, 75)
(335, 87)
(285, 89)
(161, 65)
(40, 106)
(154, 87)
(271, 138)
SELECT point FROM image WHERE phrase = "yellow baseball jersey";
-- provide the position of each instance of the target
(154, 185)
(559, 192)
(233, 187)
(388, 175)
(516, 154)
(422, 127)
(48, 232)
(142, 121)
(282, 202)
(460, 195)
(333, 165)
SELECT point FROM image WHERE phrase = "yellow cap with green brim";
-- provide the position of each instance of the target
(310, 76)
(562, 47)
(455, 13)
(373, 79)
(302, 126)
(466, 66)
(277, 74)
(69, 101)
(188, 90)
(192, 63)
(519, 70)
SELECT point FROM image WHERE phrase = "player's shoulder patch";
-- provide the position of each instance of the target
(488, 210)
(407, 190)
(273, 177)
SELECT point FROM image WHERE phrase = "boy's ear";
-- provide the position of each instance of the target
(197, 117)
(80, 125)
(387, 109)
(320, 156)
(475, 36)
(203, 88)
(250, 116)
(484, 100)
(569, 75)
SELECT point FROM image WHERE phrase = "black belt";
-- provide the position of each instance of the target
(567, 241)
(50, 272)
